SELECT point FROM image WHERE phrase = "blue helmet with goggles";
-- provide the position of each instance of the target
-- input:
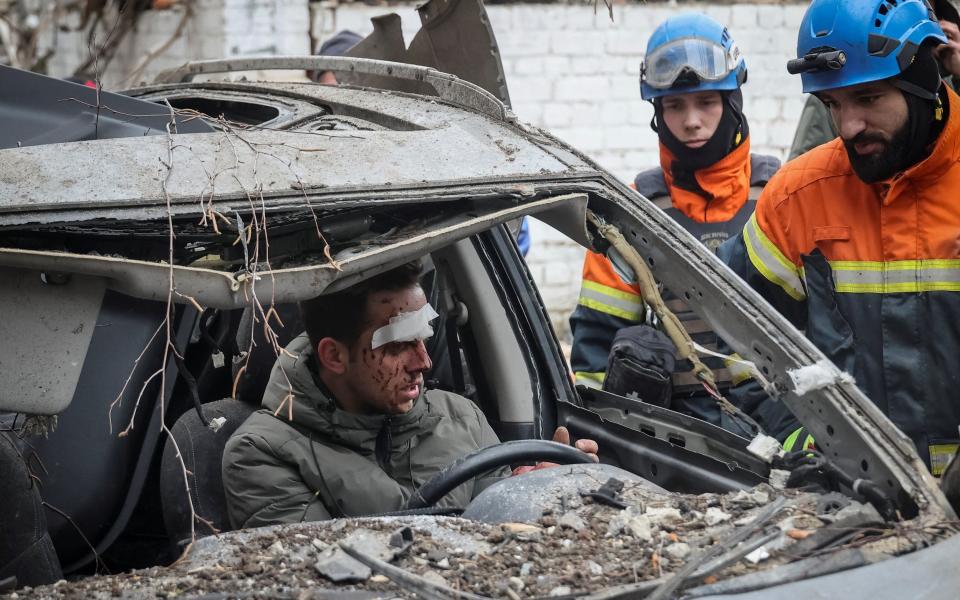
(850, 42)
(690, 52)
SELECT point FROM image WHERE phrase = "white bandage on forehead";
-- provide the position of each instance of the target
(406, 327)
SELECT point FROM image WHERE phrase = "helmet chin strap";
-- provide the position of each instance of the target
(920, 83)
(923, 126)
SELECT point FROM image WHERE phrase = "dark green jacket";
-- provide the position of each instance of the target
(324, 463)
(815, 127)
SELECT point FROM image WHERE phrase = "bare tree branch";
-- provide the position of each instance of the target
(152, 55)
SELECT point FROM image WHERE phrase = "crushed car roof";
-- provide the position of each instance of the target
(419, 144)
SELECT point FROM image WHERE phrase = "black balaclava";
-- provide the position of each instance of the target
(920, 85)
(721, 143)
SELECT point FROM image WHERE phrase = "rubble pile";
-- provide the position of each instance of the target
(589, 545)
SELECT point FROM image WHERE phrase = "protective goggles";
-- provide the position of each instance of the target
(707, 60)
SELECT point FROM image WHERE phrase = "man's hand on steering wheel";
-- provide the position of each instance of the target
(562, 436)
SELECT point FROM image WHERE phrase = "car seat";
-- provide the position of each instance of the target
(201, 447)
(27, 556)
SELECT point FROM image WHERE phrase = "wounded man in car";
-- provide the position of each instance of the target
(346, 427)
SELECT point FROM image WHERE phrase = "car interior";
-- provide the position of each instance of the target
(491, 344)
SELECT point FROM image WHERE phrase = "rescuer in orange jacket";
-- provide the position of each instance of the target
(857, 242)
(707, 181)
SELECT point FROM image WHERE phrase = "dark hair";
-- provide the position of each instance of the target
(337, 45)
(342, 315)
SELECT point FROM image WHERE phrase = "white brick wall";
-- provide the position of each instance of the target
(218, 29)
(576, 73)
(569, 69)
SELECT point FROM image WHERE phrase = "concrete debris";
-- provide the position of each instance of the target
(338, 567)
(593, 568)
(572, 520)
(632, 522)
(764, 447)
(755, 497)
(435, 578)
(521, 529)
(653, 537)
(659, 515)
(275, 548)
(778, 479)
(677, 551)
(758, 555)
(714, 516)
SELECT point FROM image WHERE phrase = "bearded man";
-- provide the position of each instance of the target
(857, 242)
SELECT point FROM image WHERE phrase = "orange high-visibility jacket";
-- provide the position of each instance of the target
(872, 273)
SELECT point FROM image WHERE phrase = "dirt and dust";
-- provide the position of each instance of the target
(593, 543)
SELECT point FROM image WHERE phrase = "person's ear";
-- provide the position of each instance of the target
(334, 356)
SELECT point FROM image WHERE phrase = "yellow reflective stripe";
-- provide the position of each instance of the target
(611, 291)
(611, 301)
(791, 439)
(900, 276)
(940, 455)
(770, 261)
(591, 380)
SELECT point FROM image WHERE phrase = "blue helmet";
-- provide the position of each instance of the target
(690, 52)
(849, 42)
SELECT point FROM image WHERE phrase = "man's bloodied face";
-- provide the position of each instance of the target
(388, 379)
(872, 121)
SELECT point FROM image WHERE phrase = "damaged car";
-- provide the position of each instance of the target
(154, 245)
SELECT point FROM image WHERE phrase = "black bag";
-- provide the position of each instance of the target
(641, 363)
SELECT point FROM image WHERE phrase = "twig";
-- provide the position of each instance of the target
(119, 399)
(136, 404)
(170, 347)
(96, 555)
(106, 52)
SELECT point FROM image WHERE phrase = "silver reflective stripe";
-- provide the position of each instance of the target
(770, 261)
(896, 276)
(611, 301)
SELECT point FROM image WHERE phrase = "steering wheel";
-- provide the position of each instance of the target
(489, 458)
